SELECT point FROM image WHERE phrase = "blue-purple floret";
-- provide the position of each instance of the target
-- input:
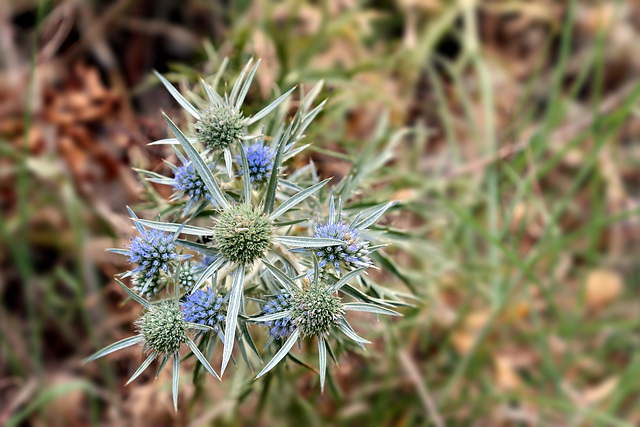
(204, 307)
(280, 328)
(353, 254)
(260, 161)
(152, 251)
(187, 182)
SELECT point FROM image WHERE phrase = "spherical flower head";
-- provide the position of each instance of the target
(284, 327)
(163, 327)
(187, 182)
(316, 310)
(152, 251)
(260, 161)
(219, 126)
(204, 307)
(187, 276)
(242, 234)
(148, 286)
(353, 254)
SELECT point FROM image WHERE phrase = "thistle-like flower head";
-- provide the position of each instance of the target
(153, 251)
(204, 307)
(353, 254)
(280, 328)
(316, 310)
(243, 234)
(219, 126)
(187, 182)
(162, 331)
(163, 328)
(222, 123)
(260, 161)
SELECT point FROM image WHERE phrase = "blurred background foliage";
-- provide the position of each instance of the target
(518, 182)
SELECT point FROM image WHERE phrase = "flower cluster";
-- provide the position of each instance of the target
(188, 183)
(283, 327)
(352, 254)
(152, 251)
(316, 310)
(254, 240)
(204, 307)
(260, 161)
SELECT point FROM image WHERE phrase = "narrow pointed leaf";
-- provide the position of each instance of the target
(269, 108)
(198, 247)
(344, 279)
(307, 242)
(164, 361)
(133, 216)
(171, 141)
(297, 198)
(200, 165)
(249, 340)
(176, 378)
(172, 227)
(209, 271)
(178, 97)
(281, 353)
(142, 367)
(127, 342)
(322, 355)
(246, 85)
(238, 83)
(235, 299)
(196, 351)
(134, 296)
(246, 177)
(348, 331)
(270, 199)
(228, 162)
(280, 276)
(125, 252)
(272, 316)
(211, 93)
(365, 222)
(369, 308)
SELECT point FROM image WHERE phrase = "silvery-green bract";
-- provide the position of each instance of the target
(244, 239)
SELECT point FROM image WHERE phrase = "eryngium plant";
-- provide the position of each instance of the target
(248, 236)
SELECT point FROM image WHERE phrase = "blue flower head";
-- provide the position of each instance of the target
(284, 327)
(353, 254)
(153, 251)
(260, 160)
(204, 307)
(187, 182)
